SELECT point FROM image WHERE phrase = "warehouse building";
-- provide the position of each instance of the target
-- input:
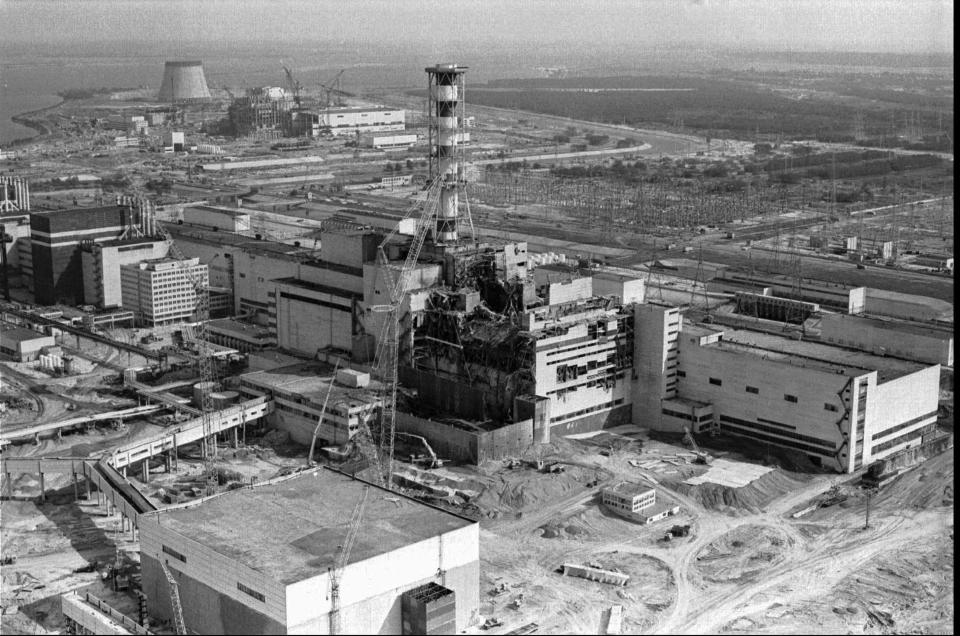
(218, 217)
(24, 345)
(299, 392)
(242, 336)
(240, 571)
(350, 121)
(844, 409)
(161, 291)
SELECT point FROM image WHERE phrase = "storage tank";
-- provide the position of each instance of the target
(198, 390)
(183, 81)
(223, 399)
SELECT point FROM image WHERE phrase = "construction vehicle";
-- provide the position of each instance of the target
(701, 456)
(342, 559)
(417, 450)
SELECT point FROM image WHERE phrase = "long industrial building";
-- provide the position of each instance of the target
(240, 570)
(842, 408)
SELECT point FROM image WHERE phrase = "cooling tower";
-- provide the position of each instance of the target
(183, 81)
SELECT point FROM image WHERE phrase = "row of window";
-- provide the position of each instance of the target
(771, 429)
(598, 407)
(255, 594)
(580, 355)
(176, 555)
(687, 416)
(899, 427)
(896, 441)
(775, 440)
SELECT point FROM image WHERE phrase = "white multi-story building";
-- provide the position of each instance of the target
(161, 291)
(101, 263)
(843, 409)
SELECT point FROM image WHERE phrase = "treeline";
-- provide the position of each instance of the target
(87, 93)
(866, 164)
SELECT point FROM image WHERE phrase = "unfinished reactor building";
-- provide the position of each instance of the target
(183, 82)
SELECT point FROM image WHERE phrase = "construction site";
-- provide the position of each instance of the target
(298, 360)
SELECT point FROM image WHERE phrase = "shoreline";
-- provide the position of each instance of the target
(42, 129)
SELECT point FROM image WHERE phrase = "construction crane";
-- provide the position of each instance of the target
(331, 87)
(293, 84)
(388, 345)
(178, 623)
(701, 456)
(352, 530)
(323, 412)
(205, 363)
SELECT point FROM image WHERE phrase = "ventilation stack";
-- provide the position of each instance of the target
(445, 127)
(14, 194)
(183, 82)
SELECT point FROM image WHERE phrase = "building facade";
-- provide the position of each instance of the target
(162, 291)
(250, 573)
(101, 263)
(55, 240)
(349, 121)
(842, 409)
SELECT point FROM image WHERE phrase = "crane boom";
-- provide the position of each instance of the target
(174, 600)
(352, 530)
(323, 412)
(386, 360)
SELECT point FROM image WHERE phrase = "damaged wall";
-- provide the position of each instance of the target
(462, 445)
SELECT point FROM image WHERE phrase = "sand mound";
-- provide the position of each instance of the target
(751, 497)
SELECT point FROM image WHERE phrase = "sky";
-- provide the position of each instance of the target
(835, 25)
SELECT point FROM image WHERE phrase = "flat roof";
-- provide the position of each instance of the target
(902, 326)
(222, 209)
(21, 334)
(291, 529)
(816, 355)
(243, 328)
(630, 489)
(312, 380)
(361, 109)
(229, 238)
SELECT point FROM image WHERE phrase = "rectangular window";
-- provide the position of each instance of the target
(790, 398)
(829, 407)
(716, 381)
(176, 555)
(257, 595)
(753, 389)
(681, 374)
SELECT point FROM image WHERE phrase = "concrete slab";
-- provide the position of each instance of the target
(729, 473)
